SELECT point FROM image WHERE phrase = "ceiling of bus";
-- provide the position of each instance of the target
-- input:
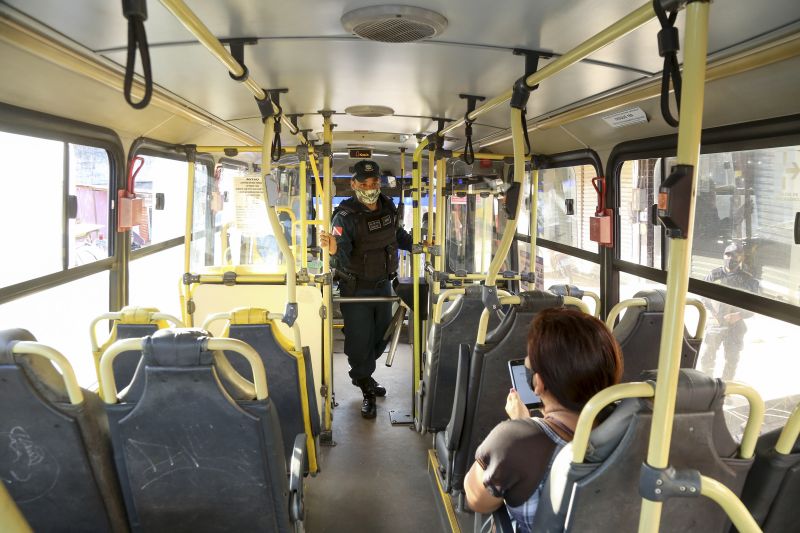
(303, 47)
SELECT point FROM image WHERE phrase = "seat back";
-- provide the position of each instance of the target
(291, 379)
(602, 493)
(489, 379)
(130, 322)
(772, 490)
(457, 326)
(639, 334)
(191, 457)
(55, 460)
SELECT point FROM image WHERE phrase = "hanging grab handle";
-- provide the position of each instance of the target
(136, 13)
(599, 184)
(668, 46)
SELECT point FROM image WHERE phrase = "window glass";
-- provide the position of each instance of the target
(242, 234)
(567, 199)
(563, 269)
(79, 302)
(744, 221)
(89, 174)
(475, 226)
(155, 280)
(743, 346)
(31, 207)
(640, 239)
(161, 184)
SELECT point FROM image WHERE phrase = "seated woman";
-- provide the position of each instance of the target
(571, 357)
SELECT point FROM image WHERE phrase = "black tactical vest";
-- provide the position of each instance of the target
(374, 255)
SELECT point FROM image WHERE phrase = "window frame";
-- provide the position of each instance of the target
(21, 121)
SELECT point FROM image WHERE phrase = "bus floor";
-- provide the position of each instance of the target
(375, 479)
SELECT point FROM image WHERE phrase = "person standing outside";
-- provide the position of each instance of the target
(727, 327)
(363, 243)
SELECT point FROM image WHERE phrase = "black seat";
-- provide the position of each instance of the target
(56, 458)
(602, 493)
(458, 325)
(480, 398)
(291, 378)
(190, 456)
(639, 334)
(130, 322)
(772, 490)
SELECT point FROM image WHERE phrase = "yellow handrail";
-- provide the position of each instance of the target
(416, 234)
(109, 386)
(583, 428)
(733, 507)
(789, 434)
(11, 518)
(754, 420)
(596, 298)
(327, 295)
(67, 373)
(448, 294)
(701, 317)
(621, 306)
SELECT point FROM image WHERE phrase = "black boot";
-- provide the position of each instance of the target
(369, 384)
(368, 409)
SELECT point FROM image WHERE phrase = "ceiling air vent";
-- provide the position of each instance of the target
(394, 23)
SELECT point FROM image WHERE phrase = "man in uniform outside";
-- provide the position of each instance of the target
(363, 243)
(727, 325)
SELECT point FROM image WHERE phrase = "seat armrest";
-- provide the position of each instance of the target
(296, 467)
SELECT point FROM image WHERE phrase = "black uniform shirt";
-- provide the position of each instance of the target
(345, 229)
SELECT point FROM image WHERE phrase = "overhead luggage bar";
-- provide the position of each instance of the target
(622, 27)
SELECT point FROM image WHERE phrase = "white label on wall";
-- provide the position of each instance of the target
(626, 117)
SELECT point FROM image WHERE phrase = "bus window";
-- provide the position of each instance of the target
(236, 215)
(640, 239)
(566, 201)
(38, 167)
(563, 269)
(32, 207)
(160, 178)
(749, 199)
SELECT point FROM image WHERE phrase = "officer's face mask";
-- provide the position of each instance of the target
(731, 262)
(368, 196)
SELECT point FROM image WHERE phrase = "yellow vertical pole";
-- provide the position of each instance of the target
(187, 237)
(416, 234)
(534, 227)
(440, 264)
(303, 216)
(327, 298)
(691, 121)
(405, 255)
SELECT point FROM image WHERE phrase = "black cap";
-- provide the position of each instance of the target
(734, 248)
(366, 169)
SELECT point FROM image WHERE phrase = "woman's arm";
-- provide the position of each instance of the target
(478, 497)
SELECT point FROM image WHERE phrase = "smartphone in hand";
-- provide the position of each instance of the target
(519, 380)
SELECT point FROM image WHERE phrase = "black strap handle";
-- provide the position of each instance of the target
(668, 46)
(135, 11)
(469, 151)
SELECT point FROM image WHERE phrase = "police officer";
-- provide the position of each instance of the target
(727, 326)
(363, 243)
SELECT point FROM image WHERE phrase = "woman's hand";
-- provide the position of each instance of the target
(515, 409)
(326, 240)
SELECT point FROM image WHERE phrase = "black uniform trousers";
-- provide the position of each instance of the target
(364, 327)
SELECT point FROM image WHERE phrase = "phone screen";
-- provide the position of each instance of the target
(519, 381)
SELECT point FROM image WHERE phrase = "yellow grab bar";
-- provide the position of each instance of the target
(583, 430)
(621, 306)
(733, 507)
(67, 373)
(754, 419)
(789, 434)
(596, 298)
